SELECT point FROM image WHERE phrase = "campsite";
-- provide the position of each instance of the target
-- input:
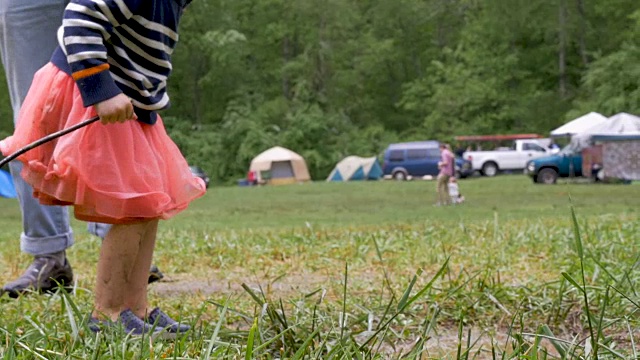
(581, 158)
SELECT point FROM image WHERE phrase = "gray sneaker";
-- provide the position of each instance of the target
(43, 275)
(163, 321)
(131, 325)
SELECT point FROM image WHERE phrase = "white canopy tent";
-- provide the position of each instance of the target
(577, 126)
(619, 124)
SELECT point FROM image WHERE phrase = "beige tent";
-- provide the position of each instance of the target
(278, 166)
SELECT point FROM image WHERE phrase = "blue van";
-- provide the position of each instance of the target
(418, 158)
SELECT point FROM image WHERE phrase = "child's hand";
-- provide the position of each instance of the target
(116, 109)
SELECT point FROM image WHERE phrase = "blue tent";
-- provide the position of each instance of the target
(356, 168)
(6, 185)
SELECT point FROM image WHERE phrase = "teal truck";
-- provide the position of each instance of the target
(547, 170)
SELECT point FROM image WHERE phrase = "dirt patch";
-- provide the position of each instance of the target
(176, 285)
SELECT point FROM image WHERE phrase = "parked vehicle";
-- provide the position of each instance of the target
(197, 171)
(417, 159)
(547, 170)
(590, 161)
(515, 158)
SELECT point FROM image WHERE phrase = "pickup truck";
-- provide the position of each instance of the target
(515, 158)
(547, 169)
(590, 161)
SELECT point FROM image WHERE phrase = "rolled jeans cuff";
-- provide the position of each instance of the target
(46, 245)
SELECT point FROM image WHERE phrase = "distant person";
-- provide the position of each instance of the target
(252, 179)
(553, 147)
(460, 150)
(454, 191)
(446, 166)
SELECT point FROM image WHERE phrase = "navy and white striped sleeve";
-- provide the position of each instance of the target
(87, 25)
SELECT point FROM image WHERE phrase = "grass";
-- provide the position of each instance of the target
(367, 270)
(389, 203)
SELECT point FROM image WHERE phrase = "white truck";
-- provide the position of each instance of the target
(514, 158)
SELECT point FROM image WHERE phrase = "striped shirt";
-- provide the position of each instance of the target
(120, 46)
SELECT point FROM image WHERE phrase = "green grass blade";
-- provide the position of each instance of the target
(252, 334)
(599, 334)
(632, 339)
(96, 346)
(548, 334)
(70, 307)
(253, 294)
(384, 268)
(576, 234)
(573, 281)
(409, 302)
(407, 292)
(578, 239)
(636, 304)
(426, 288)
(460, 340)
(273, 339)
(303, 348)
(343, 321)
(214, 336)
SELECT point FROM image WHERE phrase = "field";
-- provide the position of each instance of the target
(366, 270)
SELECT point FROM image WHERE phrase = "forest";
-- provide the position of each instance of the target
(330, 78)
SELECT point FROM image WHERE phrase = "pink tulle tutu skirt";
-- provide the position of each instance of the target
(116, 173)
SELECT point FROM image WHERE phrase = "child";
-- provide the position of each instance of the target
(454, 191)
(113, 61)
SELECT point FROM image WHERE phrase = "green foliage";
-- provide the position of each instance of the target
(342, 77)
(611, 83)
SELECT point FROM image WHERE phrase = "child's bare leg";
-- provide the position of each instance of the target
(121, 284)
(137, 300)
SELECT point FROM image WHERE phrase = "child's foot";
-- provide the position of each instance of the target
(163, 321)
(132, 325)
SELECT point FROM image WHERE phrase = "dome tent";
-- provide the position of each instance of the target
(356, 168)
(277, 166)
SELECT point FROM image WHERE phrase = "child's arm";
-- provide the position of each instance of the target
(87, 25)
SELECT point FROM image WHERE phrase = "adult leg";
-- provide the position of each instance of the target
(445, 189)
(125, 258)
(439, 184)
(27, 39)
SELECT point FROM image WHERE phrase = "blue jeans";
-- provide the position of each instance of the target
(27, 40)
